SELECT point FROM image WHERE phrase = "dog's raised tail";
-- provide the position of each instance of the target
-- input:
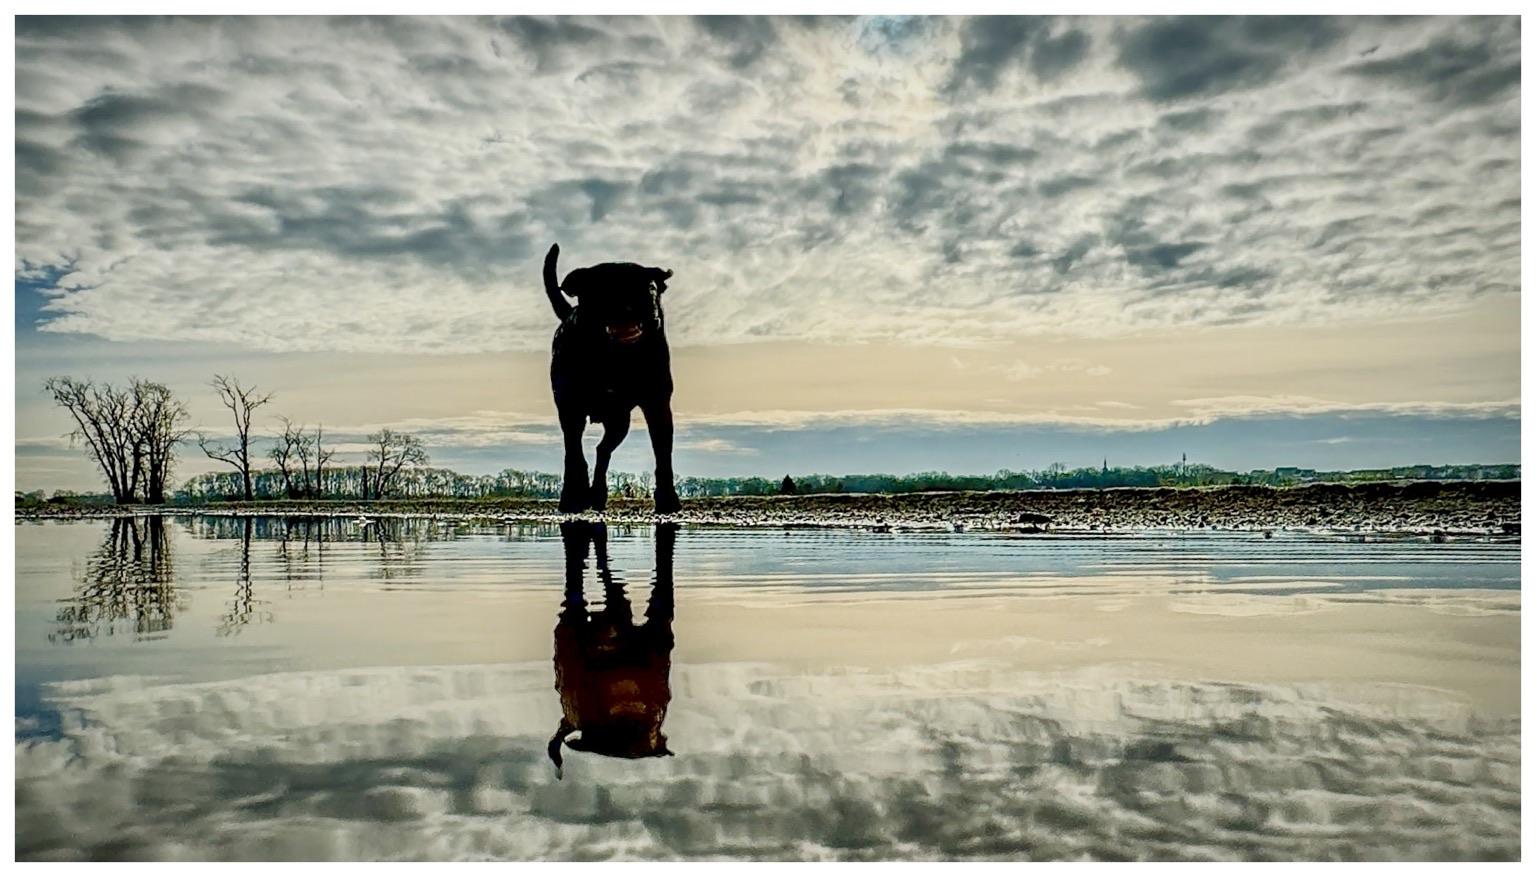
(552, 285)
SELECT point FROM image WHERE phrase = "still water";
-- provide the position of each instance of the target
(306, 688)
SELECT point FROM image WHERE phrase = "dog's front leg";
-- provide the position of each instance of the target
(573, 493)
(660, 609)
(658, 422)
(615, 428)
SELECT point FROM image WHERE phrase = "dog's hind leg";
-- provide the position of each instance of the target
(615, 428)
(658, 422)
(573, 493)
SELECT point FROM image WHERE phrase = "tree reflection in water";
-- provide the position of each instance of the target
(612, 676)
(244, 609)
(301, 552)
(400, 542)
(295, 537)
(126, 587)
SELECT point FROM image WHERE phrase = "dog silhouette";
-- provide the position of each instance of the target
(610, 356)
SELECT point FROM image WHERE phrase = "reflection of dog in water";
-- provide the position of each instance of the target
(611, 673)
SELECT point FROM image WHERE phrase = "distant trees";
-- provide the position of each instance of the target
(391, 451)
(420, 482)
(314, 450)
(1055, 476)
(351, 482)
(294, 452)
(630, 485)
(102, 422)
(131, 432)
(241, 402)
(159, 424)
(285, 453)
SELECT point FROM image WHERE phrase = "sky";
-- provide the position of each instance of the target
(900, 244)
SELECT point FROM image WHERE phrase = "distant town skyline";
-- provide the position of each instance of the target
(901, 243)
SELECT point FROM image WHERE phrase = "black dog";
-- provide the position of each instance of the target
(610, 355)
(612, 675)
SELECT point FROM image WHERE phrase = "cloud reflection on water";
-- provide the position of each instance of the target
(952, 761)
(987, 753)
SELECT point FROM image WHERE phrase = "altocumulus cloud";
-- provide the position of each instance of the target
(390, 185)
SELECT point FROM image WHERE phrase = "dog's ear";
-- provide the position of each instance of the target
(659, 277)
(576, 282)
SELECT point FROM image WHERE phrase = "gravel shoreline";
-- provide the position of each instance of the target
(1427, 508)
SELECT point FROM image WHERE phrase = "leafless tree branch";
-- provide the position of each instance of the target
(241, 401)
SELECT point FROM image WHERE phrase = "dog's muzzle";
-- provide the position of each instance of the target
(625, 333)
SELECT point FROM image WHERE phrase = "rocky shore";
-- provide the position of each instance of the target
(1424, 508)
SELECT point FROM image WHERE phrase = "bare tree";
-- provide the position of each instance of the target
(391, 451)
(241, 401)
(104, 421)
(312, 449)
(323, 455)
(159, 420)
(303, 451)
(317, 450)
(290, 447)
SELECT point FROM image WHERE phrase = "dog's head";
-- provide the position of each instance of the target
(639, 740)
(622, 298)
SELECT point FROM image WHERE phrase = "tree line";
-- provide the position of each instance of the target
(436, 483)
(132, 433)
(363, 482)
(358, 482)
(1054, 477)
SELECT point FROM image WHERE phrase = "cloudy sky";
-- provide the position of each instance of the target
(900, 243)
